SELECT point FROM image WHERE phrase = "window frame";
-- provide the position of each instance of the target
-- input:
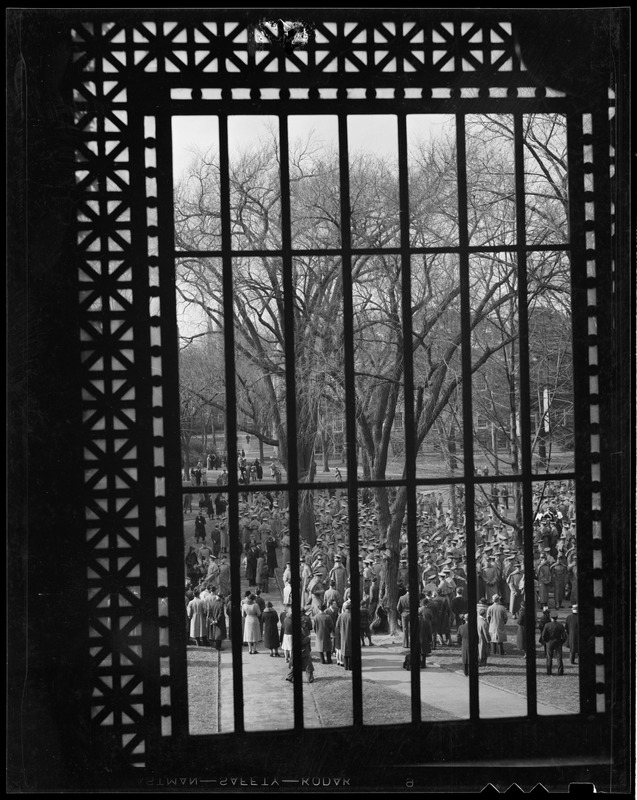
(165, 753)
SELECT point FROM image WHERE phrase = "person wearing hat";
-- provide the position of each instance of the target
(331, 594)
(554, 637)
(306, 577)
(459, 606)
(286, 631)
(317, 592)
(572, 633)
(216, 618)
(212, 575)
(559, 573)
(497, 618)
(200, 528)
(447, 586)
(364, 623)
(196, 613)
(484, 639)
(520, 635)
(345, 634)
(425, 632)
(545, 618)
(251, 556)
(263, 572)
(463, 641)
(323, 624)
(403, 610)
(203, 556)
(338, 574)
(319, 567)
(506, 561)
(544, 578)
(490, 576)
(515, 581)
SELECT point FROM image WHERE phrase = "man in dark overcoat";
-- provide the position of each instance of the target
(554, 637)
(323, 625)
(463, 640)
(200, 528)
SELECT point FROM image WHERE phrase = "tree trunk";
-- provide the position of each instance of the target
(453, 502)
(326, 458)
(390, 524)
(366, 464)
(185, 451)
(307, 519)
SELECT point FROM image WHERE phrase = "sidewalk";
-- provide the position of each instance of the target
(268, 699)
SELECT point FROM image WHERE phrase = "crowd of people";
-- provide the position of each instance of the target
(326, 572)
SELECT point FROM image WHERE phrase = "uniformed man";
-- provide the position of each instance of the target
(339, 575)
(554, 637)
(490, 577)
(544, 578)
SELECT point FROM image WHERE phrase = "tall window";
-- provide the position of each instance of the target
(375, 253)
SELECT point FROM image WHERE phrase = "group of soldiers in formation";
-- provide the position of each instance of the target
(326, 572)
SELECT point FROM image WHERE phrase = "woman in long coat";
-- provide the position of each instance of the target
(345, 630)
(497, 618)
(270, 621)
(252, 629)
(196, 611)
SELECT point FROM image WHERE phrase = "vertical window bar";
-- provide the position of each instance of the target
(467, 414)
(410, 432)
(290, 404)
(525, 413)
(143, 428)
(350, 417)
(581, 413)
(231, 421)
(611, 547)
(170, 389)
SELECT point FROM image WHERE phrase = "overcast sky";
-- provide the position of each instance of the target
(375, 134)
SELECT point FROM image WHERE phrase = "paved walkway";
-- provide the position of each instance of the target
(269, 698)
